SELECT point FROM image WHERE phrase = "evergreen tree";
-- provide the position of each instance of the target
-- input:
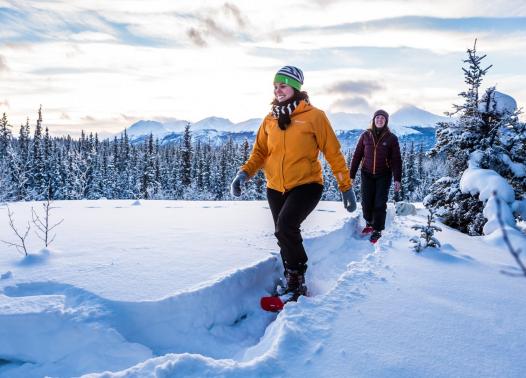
(5, 177)
(149, 185)
(5, 137)
(38, 184)
(410, 181)
(186, 157)
(484, 127)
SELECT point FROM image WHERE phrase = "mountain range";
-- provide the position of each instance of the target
(410, 123)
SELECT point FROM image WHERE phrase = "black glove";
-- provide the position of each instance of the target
(349, 200)
(235, 187)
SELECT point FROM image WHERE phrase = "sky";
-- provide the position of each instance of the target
(101, 66)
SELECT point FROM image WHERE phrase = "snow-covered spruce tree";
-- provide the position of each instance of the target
(426, 237)
(186, 157)
(20, 165)
(38, 184)
(487, 148)
(495, 166)
(5, 136)
(455, 141)
(5, 141)
(331, 192)
(504, 146)
(409, 179)
(149, 186)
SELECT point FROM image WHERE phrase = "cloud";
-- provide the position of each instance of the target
(88, 119)
(355, 104)
(3, 64)
(28, 23)
(362, 87)
(196, 37)
(129, 118)
(64, 116)
(5, 104)
(71, 71)
(462, 24)
(236, 13)
(226, 23)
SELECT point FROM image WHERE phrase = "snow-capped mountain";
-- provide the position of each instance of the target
(158, 129)
(409, 122)
(145, 128)
(213, 123)
(412, 116)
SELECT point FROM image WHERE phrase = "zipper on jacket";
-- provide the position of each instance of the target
(374, 155)
(282, 162)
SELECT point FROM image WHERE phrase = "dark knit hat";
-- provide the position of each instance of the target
(290, 75)
(382, 113)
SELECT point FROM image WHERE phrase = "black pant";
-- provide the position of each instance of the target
(375, 192)
(289, 210)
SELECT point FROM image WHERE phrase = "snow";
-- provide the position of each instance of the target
(172, 288)
(518, 169)
(498, 103)
(489, 185)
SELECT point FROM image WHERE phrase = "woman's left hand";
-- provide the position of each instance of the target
(397, 186)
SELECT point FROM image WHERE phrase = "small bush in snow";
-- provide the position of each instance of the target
(42, 223)
(426, 238)
(22, 236)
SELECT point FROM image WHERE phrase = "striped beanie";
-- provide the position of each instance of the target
(290, 75)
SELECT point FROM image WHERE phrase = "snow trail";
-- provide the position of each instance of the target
(349, 264)
(229, 324)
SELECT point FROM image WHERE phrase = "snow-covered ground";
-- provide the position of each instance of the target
(172, 288)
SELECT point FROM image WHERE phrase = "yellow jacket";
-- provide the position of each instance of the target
(290, 157)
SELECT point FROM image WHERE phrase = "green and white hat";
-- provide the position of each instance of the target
(290, 75)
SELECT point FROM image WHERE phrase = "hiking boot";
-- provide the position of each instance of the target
(295, 285)
(375, 236)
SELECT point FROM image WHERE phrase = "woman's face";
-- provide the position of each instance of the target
(379, 121)
(283, 92)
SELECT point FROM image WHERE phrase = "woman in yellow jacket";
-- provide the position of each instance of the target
(287, 147)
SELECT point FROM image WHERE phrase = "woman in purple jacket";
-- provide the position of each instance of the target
(378, 152)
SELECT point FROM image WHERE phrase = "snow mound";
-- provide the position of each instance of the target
(497, 102)
(489, 185)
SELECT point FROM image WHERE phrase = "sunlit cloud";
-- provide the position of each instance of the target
(463, 24)
(354, 104)
(363, 87)
(3, 64)
(122, 61)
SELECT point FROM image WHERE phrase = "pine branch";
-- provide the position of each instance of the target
(514, 253)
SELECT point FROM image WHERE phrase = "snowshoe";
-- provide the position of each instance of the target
(367, 230)
(295, 288)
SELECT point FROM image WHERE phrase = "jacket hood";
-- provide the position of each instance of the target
(302, 107)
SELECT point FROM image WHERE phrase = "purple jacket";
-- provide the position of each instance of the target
(377, 156)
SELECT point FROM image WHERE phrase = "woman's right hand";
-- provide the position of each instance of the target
(349, 200)
(235, 187)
